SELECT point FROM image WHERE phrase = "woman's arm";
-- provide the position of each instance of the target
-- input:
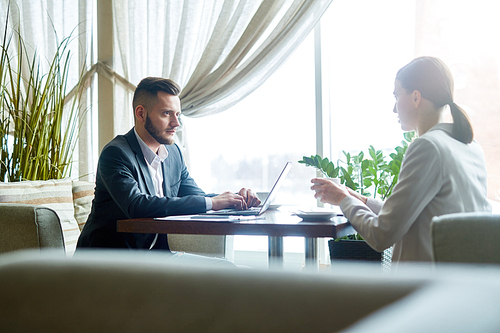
(419, 182)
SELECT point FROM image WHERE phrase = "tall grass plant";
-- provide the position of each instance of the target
(38, 127)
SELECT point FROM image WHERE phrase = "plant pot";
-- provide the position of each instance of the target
(352, 250)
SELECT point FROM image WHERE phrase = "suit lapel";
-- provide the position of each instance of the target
(143, 167)
(167, 182)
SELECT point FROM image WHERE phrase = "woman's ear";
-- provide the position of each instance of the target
(416, 98)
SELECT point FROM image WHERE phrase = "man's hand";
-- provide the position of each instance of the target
(228, 200)
(250, 197)
(244, 199)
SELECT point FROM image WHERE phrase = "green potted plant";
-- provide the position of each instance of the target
(38, 123)
(372, 176)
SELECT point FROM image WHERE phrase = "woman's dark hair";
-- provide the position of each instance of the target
(433, 79)
(146, 93)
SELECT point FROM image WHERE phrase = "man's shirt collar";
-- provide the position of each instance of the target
(148, 153)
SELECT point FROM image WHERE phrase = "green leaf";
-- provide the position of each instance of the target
(372, 171)
(331, 171)
(317, 161)
(324, 164)
(365, 164)
(347, 156)
(368, 182)
(372, 153)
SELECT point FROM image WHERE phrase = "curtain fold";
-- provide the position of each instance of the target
(217, 51)
(244, 76)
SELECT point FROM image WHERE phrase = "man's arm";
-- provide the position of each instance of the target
(125, 182)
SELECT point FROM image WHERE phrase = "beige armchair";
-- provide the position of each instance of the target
(208, 245)
(63, 204)
(466, 238)
(29, 226)
(24, 226)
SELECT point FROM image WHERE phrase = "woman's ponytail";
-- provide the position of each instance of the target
(462, 128)
(433, 79)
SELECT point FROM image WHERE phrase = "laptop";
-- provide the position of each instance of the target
(261, 209)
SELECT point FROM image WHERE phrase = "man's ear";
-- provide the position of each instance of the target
(140, 113)
(416, 98)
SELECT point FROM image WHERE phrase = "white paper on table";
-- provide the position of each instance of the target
(211, 218)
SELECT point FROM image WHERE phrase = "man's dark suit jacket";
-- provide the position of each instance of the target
(124, 189)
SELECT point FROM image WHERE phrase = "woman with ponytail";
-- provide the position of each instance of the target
(443, 171)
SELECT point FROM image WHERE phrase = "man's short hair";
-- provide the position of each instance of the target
(146, 93)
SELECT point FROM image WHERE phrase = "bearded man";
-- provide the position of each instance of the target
(142, 174)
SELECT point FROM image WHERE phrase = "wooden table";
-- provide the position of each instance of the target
(275, 224)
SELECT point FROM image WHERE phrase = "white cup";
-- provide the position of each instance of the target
(335, 180)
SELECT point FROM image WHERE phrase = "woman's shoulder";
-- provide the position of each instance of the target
(439, 136)
(426, 142)
(439, 141)
(439, 131)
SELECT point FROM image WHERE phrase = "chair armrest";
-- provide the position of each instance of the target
(29, 226)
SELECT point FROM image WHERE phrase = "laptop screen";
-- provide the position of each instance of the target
(275, 188)
(257, 210)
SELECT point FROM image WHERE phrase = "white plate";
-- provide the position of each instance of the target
(315, 216)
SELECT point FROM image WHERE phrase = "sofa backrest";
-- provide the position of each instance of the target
(29, 226)
(123, 291)
(83, 194)
(72, 201)
(56, 194)
(466, 237)
(139, 291)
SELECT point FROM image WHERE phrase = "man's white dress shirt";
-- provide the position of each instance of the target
(154, 161)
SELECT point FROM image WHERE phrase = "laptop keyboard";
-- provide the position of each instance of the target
(250, 211)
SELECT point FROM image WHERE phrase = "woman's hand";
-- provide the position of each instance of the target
(355, 194)
(328, 192)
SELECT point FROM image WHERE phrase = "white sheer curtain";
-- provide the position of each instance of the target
(218, 51)
(43, 25)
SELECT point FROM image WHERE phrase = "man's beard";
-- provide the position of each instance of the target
(155, 133)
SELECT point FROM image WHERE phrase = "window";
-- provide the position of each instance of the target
(363, 45)
(377, 38)
(248, 145)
